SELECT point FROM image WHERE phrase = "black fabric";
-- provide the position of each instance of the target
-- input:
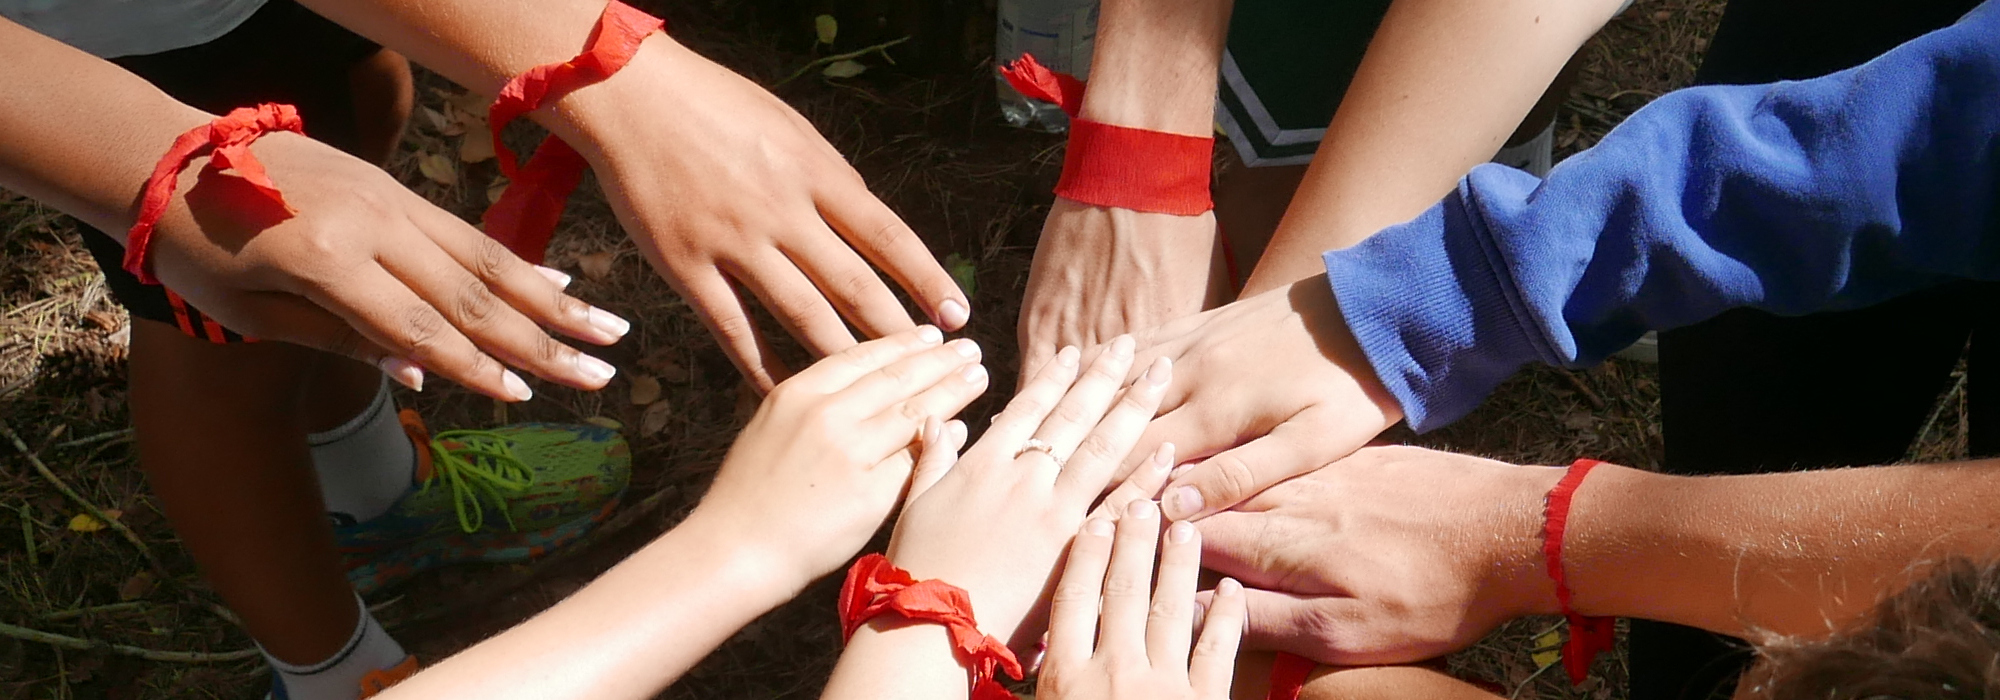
(1751, 392)
(283, 53)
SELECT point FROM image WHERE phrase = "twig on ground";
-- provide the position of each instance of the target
(120, 434)
(78, 498)
(823, 60)
(1596, 402)
(28, 537)
(78, 643)
(94, 610)
(1925, 434)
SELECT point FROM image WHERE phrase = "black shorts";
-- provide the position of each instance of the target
(283, 53)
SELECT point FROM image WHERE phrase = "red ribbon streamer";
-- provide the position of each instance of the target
(1118, 166)
(875, 586)
(230, 136)
(1588, 636)
(525, 216)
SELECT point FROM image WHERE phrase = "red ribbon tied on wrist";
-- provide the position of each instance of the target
(1588, 636)
(1119, 166)
(230, 136)
(875, 586)
(525, 216)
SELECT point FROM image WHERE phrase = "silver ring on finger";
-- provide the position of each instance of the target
(1037, 445)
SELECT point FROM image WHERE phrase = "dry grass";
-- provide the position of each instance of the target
(927, 139)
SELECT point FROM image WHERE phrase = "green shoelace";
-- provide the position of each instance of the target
(478, 464)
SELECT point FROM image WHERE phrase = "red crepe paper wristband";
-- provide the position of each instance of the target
(1119, 166)
(1289, 673)
(524, 218)
(875, 587)
(1588, 636)
(229, 136)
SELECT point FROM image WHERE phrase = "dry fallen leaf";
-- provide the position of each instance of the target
(645, 390)
(438, 168)
(603, 422)
(826, 27)
(655, 418)
(85, 522)
(596, 265)
(844, 69)
(662, 363)
(436, 118)
(136, 587)
(475, 147)
(495, 189)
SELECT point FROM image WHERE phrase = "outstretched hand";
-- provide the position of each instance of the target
(367, 269)
(1393, 555)
(1272, 387)
(827, 456)
(737, 195)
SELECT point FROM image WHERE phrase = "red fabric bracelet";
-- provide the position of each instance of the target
(875, 587)
(525, 216)
(1118, 166)
(1588, 636)
(1289, 673)
(230, 136)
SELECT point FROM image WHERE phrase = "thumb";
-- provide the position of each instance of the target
(1321, 628)
(939, 452)
(1234, 475)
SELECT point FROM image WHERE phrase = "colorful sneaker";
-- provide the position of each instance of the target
(504, 495)
(371, 685)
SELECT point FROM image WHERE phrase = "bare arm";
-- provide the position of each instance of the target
(1443, 84)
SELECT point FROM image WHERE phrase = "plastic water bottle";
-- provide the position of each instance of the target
(1060, 34)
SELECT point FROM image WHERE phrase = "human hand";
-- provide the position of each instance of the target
(367, 269)
(720, 183)
(1140, 645)
(1392, 555)
(996, 523)
(824, 460)
(1100, 272)
(1278, 369)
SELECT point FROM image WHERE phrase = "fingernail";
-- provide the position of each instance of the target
(1067, 356)
(595, 369)
(930, 335)
(1163, 458)
(932, 430)
(609, 322)
(1229, 586)
(403, 372)
(1178, 471)
(958, 428)
(1122, 347)
(1142, 509)
(965, 348)
(1160, 373)
(559, 277)
(1183, 502)
(1180, 532)
(953, 314)
(1098, 526)
(973, 374)
(515, 387)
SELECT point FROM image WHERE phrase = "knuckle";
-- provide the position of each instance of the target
(1078, 594)
(1233, 478)
(549, 350)
(490, 259)
(1073, 412)
(347, 342)
(1168, 607)
(1096, 449)
(476, 307)
(422, 329)
(1118, 586)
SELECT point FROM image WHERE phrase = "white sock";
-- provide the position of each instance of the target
(365, 464)
(339, 678)
(1536, 156)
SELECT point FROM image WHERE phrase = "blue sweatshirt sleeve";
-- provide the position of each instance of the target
(1792, 197)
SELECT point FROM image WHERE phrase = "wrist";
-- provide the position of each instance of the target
(1617, 517)
(603, 111)
(758, 561)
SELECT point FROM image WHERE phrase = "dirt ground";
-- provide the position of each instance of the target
(926, 134)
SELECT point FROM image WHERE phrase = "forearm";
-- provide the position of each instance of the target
(1803, 553)
(628, 634)
(894, 659)
(1444, 82)
(81, 134)
(1155, 64)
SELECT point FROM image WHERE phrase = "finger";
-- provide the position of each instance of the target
(718, 306)
(1024, 413)
(882, 237)
(840, 370)
(940, 451)
(1294, 447)
(1144, 484)
(849, 284)
(1321, 628)
(1034, 353)
(1096, 461)
(796, 303)
(895, 383)
(290, 318)
(1128, 584)
(1196, 430)
(1212, 666)
(1073, 610)
(489, 321)
(1170, 622)
(522, 286)
(390, 316)
(1086, 401)
(942, 400)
